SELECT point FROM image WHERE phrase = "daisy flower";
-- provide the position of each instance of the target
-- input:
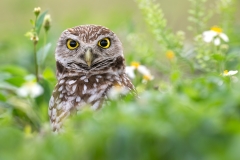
(215, 35)
(229, 73)
(117, 91)
(170, 55)
(130, 71)
(30, 89)
(147, 76)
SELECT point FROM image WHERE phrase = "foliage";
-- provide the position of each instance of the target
(190, 110)
(158, 25)
(40, 20)
(192, 120)
(199, 16)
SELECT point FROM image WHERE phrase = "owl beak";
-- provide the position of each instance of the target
(88, 57)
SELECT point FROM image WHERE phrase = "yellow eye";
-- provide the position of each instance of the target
(72, 44)
(104, 43)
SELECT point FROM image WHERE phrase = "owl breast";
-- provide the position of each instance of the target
(71, 94)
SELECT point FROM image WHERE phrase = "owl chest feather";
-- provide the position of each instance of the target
(73, 93)
(82, 90)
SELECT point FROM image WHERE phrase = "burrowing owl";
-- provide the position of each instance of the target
(89, 62)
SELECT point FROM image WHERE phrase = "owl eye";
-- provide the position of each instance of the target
(104, 43)
(72, 44)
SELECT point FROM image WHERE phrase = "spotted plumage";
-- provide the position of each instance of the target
(89, 61)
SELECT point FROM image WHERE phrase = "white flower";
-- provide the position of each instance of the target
(215, 35)
(130, 71)
(146, 74)
(117, 91)
(229, 73)
(37, 10)
(141, 69)
(147, 78)
(30, 88)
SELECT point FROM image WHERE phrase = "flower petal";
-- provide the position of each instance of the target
(208, 36)
(143, 70)
(31, 89)
(117, 91)
(217, 41)
(224, 37)
(231, 73)
(22, 92)
(209, 33)
(36, 90)
(130, 71)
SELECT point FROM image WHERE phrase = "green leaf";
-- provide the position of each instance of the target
(2, 97)
(42, 53)
(4, 76)
(32, 22)
(218, 57)
(49, 74)
(7, 86)
(39, 22)
(29, 34)
(14, 70)
(16, 81)
(175, 76)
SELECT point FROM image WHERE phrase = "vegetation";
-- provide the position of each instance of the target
(189, 105)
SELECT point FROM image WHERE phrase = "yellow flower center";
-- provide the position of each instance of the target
(117, 86)
(30, 84)
(225, 72)
(216, 29)
(147, 77)
(170, 54)
(135, 64)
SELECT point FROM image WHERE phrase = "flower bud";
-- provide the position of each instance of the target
(37, 11)
(34, 38)
(47, 22)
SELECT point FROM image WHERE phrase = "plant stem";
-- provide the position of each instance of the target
(35, 50)
(35, 59)
(45, 38)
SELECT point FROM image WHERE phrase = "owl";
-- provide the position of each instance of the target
(89, 62)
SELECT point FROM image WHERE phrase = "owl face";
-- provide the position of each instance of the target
(87, 48)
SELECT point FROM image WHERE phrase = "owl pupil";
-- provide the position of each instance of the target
(103, 43)
(73, 44)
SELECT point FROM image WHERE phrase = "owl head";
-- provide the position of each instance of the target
(89, 49)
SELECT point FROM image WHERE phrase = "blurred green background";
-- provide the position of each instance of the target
(123, 17)
(186, 112)
(120, 16)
